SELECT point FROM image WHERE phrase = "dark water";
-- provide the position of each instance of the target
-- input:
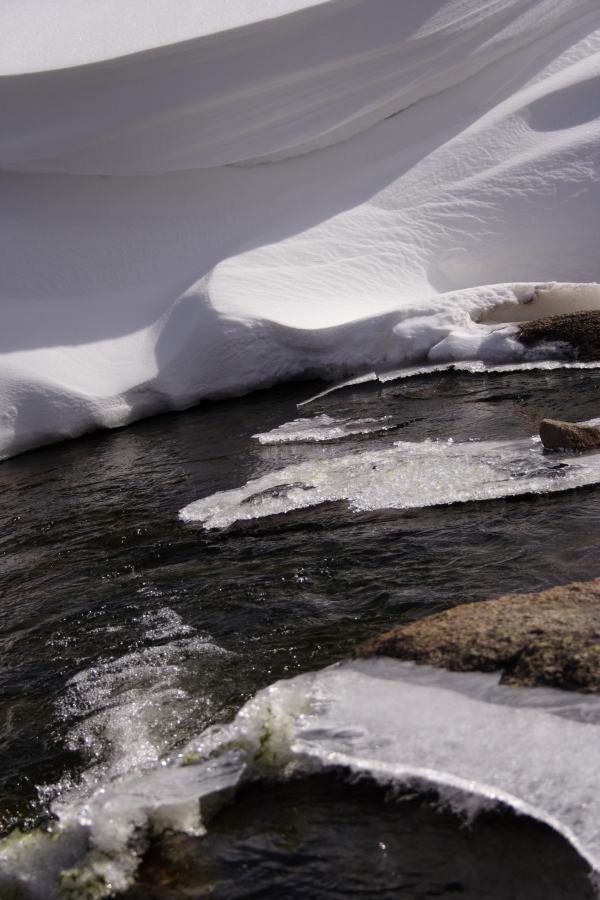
(124, 632)
(325, 839)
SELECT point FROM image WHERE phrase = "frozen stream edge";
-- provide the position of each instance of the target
(408, 475)
(476, 742)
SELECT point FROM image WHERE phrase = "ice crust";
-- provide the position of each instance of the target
(323, 428)
(406, 476)
(226, 195)
(464, 733)
(469, 367)
(477, 743)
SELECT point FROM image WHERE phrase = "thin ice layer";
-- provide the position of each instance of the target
(323, 428)
(406, 476)
(535, 750)
(470, 367)
(477, 743)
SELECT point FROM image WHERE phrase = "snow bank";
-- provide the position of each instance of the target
(197, 202)
(479, 744)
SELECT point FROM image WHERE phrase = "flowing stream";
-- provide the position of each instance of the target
(126, 632)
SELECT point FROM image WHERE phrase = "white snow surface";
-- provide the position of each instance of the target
(478, 743)
(202, 198)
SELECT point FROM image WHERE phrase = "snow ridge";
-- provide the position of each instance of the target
(194, 274)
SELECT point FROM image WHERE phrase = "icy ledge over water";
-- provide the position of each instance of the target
(467, 367)
(203, 198)
(407, 475)
(477, 743)
(324, 428)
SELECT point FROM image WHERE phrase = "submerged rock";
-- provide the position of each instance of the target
(557, 435)
(581, 330)
(549, 638)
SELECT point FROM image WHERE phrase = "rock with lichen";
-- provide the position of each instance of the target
(558, 435)
(581, 330)
(550, 638)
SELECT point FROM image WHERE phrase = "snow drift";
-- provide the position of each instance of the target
(200, 201)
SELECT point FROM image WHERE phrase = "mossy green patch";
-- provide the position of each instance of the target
(83, 884)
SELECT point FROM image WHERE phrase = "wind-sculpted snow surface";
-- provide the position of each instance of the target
(202, 200)
(479, 744)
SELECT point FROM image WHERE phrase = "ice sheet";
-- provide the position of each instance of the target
(324, 428)
(477, 743)
(406, 476)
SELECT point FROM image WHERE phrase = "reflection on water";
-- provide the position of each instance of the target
(323, 838)
(93, 559)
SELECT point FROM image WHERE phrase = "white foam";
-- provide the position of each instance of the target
(127, 712)
(124, 715)
(406, 476)
(328, 188)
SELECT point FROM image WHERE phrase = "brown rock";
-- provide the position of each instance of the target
(557, 435)
(550, 638)
(579, 329)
